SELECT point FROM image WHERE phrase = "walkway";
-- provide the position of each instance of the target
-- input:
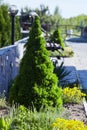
(79, 61)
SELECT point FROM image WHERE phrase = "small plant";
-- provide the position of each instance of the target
(72, 95)
(25, 119)
(3, 100)
(5, 123)
(56, 38)
(2, 123)
(63, 124)
(68, 52)
(61, 72)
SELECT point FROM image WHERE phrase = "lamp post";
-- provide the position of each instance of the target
(13, 11)
(32, 16)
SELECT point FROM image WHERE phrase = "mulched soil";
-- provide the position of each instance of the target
(76, 112)
(3, 111)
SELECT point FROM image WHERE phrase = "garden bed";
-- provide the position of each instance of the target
(76, 112)
(3, 111)
(73, 111)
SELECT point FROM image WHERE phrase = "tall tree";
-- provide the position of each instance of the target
(5, 27)
(2, 24)
(18, 34)
(6, 33)
(36, 82)
(57, 11)
(57, 16)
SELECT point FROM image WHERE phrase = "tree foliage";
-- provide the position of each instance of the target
(56, 38)
(5, 27)
(36, 83)
(18, 34)
(5, 31)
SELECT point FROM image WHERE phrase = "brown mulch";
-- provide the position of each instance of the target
(3, 111)
(76, 111)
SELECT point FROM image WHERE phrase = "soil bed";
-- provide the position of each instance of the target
(76, 112)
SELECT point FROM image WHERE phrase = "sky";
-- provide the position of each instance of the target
(67, 8)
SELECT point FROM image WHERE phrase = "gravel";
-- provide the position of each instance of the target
(76, 112)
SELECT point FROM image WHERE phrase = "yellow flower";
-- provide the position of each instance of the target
(72, 95)
(63, 124)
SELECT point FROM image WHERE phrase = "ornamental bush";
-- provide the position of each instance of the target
(56, 38)
(36, 84)
(63, 124)
(24, 119)
(72, 95)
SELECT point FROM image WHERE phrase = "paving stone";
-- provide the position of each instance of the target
(78, 62)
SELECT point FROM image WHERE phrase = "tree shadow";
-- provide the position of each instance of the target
(77, 40)
(71, 78)
(83, 78)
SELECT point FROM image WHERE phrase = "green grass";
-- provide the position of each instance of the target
(22, 118)
(3, 100)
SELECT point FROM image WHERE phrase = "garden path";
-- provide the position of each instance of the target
(79, 62)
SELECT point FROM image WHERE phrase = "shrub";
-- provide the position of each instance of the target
(61, 72)
(56, 38)
(36, 83)
(68, 52)
(72, 95)
(24, 119)
(2, 123)
(62, 124)
(3, 103)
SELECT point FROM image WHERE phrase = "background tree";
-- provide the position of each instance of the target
(57, 38)
(2, 23)
(5, 27)
(48, 21)
(18, 34)
(57, 16)
(6, 32)
(44, 15)
(36, 83)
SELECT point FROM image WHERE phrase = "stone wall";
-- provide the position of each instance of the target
(10, 58)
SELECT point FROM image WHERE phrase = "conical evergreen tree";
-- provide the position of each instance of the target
(36, 83)
(56, 38)
(2, 24)
(5, 27)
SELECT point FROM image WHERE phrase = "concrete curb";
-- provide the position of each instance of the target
(77, 39)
